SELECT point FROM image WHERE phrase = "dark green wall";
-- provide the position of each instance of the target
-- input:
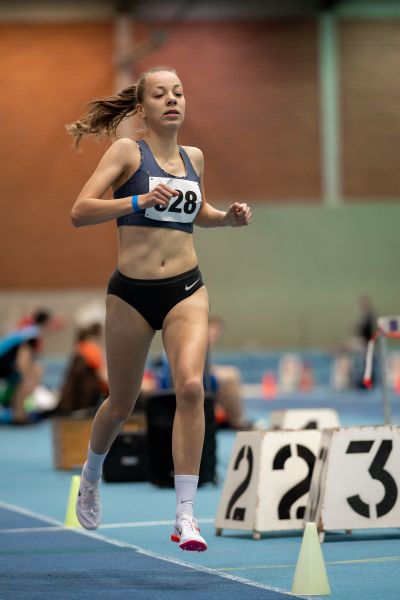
(293, 278)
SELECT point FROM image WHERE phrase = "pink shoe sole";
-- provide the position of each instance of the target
(190, 545)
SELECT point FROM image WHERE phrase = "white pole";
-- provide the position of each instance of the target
(387, 410)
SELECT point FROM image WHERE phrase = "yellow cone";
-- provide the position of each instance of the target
(70, 516)
(310, 578)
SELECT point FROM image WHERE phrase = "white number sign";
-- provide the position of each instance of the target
(356, 479)
(304, 418)
(182, 208)
(267, 481)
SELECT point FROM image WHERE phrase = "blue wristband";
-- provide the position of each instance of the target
(135, 203)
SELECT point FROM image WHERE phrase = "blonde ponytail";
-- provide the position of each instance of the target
(104, 116)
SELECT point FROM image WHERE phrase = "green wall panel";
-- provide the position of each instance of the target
(293, 278)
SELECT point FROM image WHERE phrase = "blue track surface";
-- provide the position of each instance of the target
(136, 559)
(41, 561)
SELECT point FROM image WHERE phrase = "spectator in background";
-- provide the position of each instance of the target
(289, 372)
(224, 381)
(364, 330)
(85, 383)
(89, 346)
(228, 383)
(366, 325)
(20, 367)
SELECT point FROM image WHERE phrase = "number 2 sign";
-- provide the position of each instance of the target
(267, 482)
(356, 479)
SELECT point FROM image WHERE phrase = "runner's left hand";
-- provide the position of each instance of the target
(238, 214)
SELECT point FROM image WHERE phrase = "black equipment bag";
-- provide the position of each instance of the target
(127, 458)
(160, 411)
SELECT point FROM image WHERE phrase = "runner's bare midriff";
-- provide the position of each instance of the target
(154, 252)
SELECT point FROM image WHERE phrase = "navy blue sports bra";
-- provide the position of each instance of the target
(181, 210)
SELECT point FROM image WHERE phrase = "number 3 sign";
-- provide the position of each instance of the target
(267, 482)
(356, 479)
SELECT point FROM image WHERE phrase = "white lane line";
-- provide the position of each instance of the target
(144, 552)
(105, 526)
(148, 523)
(374, 559)
(31, 529)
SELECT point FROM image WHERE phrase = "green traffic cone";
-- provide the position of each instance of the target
(70, 515)
(310, 578)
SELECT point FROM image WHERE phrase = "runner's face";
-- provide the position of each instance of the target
(163, 103)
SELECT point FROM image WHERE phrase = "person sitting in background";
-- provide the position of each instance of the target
(228, 382)
(85, 383)
(20, 367)
(224, 381)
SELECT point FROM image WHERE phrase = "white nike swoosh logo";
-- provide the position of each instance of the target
(189, 287)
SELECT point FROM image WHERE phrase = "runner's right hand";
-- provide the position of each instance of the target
(159, 196)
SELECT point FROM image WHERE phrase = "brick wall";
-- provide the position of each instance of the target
(252, 106)
(49, 72)
(370, 98)
(252, 94)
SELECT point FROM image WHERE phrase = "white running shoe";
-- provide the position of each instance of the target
(88, 507)
(187, 534)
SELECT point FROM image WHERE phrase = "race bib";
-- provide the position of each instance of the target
(182, 208)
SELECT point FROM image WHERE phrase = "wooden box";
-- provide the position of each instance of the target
(71, 437)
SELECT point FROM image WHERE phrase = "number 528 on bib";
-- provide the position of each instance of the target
(182, 208)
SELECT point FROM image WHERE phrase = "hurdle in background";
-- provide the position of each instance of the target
(388, 327)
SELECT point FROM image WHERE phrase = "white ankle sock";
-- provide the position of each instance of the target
(185, 488)
(92, 468)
